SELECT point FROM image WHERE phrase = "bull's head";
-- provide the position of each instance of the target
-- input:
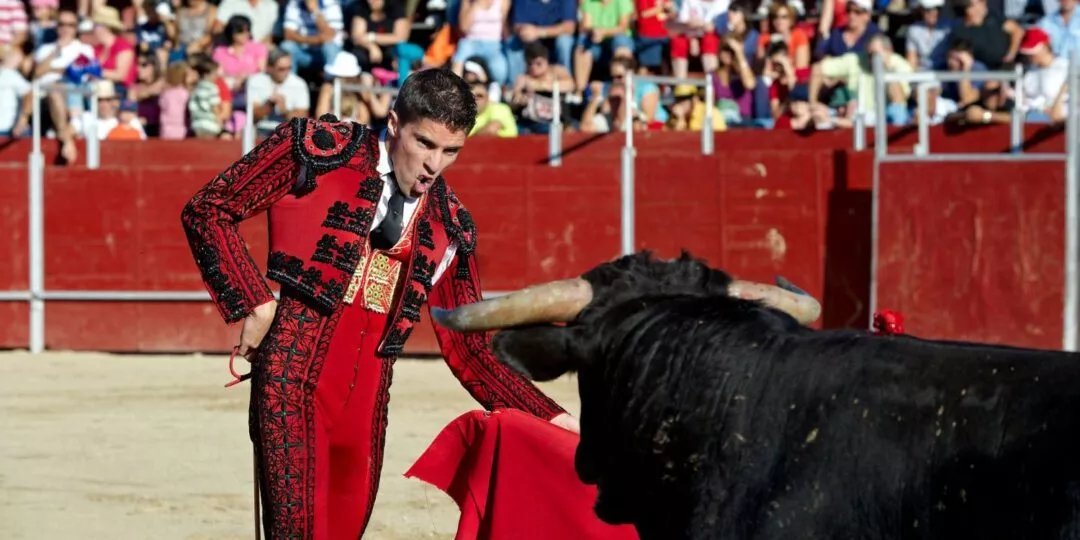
(549, 329)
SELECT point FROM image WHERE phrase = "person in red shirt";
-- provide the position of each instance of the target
(115, 54)
(651, 37)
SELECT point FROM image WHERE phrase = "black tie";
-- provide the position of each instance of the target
(387, 234)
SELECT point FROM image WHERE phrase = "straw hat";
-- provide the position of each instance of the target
(108, 17)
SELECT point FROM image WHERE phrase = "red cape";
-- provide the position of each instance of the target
(512, 475)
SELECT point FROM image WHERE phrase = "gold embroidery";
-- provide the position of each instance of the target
(354, 282)
(381, 282)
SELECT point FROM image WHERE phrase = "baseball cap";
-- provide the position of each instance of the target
(1033, 38)
(863, 4)
(930, 4)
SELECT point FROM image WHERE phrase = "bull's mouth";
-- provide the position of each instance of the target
(562, 301)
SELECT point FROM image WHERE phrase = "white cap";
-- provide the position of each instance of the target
(344, 66)
(864, 4)
(930, 4)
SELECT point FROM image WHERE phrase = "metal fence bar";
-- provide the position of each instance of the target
(626, 179)
(881, 140)
(36, 234)
(670, 81)
(248, 140)
(555, 130)
(951, 76)
(707, 129)
(1016, 120)
(923, 119)
(1071, 316)
(349, 87)
(337, 97)
(90, 132)
(10, 296)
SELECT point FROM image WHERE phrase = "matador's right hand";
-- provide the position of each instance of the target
(256, 324)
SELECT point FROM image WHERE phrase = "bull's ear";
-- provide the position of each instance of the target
(541, 352)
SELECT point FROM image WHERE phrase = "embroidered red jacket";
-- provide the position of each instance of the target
(318, 182)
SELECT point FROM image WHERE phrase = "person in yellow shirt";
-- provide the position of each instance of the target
(492, 118)
(688, 111)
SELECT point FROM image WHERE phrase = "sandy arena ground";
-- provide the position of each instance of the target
(132, 447)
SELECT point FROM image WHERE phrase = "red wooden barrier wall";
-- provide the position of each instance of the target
(768, 203)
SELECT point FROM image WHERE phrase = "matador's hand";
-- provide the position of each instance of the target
(255, 327)
(567, 422)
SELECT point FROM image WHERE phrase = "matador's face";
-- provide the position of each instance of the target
(420, 151)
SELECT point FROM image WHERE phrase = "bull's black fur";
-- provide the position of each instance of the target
(705, 416)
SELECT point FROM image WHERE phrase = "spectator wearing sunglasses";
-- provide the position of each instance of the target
(854, 36)
(782, 29)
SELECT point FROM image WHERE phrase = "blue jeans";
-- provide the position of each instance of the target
(490, 51)
(515, 53)
(596, 50)
(304, 56)
(407, 53)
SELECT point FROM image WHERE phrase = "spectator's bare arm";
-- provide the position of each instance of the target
(399, 35)
(816, 79)
(1016, 35)
(325, 32)
(828, 11)
(297, 37)
(1057, 111)
(124, 61)
(587, 116)
(802, 56)
(746, 73)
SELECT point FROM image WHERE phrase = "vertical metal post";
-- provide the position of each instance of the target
(627, 177)
(1071, 317)
(923, 147)
(860, 129)
(37, 229)
(555, 130)
(881, 141)
(1016, 125)
(93, 145)
(881, 149)
(337, 97)
(707, 129)
(248, 142)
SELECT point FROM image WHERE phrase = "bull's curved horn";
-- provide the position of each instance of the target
(556, 301)
(803, 307)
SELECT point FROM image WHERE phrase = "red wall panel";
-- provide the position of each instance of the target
(974, 251)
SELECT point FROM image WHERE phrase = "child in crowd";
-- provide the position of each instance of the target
(205, 103)
(173, 102)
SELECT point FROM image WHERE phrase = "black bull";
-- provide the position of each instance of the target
(709, 416)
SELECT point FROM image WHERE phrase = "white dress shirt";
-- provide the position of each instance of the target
(389, 185)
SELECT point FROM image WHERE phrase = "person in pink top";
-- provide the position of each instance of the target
(241, 56)
(173, 102)
(116, 54)
(482, 24)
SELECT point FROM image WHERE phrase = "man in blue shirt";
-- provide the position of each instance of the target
(1063, 28)
(551, 22)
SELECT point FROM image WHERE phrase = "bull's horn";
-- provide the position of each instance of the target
(556, 301)
(803, 307)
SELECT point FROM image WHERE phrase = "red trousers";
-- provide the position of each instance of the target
(680, 45)
(321, 451)
(350, 418)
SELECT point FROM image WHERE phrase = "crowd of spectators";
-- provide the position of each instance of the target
(188, 68)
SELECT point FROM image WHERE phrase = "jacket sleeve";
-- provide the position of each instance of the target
(211, 217)
(492, 383)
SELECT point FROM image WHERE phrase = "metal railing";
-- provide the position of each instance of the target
(925, 80)
(1071, 311)
(90, 129)
(626, 176)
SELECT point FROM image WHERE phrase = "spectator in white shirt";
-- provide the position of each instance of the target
(50, 62)
(314, 32)
(279, 94)
(262, 14)
(1045, 92)
(13, 87)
